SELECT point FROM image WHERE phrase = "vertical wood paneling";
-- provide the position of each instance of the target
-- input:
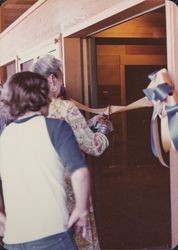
(1, 19)
(93, 73)
(85, 72)
(1, 75)
(73, 70)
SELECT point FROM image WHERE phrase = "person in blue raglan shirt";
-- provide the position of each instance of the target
(34, 151)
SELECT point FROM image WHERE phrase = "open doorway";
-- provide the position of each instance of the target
(131, 193)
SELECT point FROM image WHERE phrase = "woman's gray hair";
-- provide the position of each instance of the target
(47, 65)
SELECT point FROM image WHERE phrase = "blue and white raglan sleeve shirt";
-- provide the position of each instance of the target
(33, 155)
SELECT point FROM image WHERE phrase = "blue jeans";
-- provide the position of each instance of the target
(62, 241)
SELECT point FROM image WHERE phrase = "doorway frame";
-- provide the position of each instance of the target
(125, 11)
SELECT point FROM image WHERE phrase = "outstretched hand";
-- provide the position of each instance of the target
(79, 221)
(100, 123)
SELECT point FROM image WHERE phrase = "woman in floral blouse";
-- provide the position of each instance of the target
(90, 142)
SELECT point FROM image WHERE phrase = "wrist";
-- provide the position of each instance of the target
(82, 213)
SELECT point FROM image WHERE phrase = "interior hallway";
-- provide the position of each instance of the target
(131, 189)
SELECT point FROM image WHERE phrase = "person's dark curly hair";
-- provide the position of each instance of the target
(27, 91)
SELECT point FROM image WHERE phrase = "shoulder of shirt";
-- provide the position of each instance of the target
(56, 125)
(57, 128)
(55, 122)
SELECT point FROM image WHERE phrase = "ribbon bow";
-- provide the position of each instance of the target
(158, 95)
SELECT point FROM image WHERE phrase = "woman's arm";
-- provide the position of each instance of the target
(81, 187)
(90, 142)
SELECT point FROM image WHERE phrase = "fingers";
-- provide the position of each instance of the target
(72, 219)
(2, 229)
(2, 224)
(84, 232)
(80, 221)
(2, 218)
(81, 228)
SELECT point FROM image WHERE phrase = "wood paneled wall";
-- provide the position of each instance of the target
(111, 59)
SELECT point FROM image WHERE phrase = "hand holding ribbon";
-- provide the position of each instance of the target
(161, 96)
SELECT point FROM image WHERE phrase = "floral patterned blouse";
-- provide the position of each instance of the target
(90, 142)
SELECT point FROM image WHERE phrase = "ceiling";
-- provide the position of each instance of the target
(12, 9)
